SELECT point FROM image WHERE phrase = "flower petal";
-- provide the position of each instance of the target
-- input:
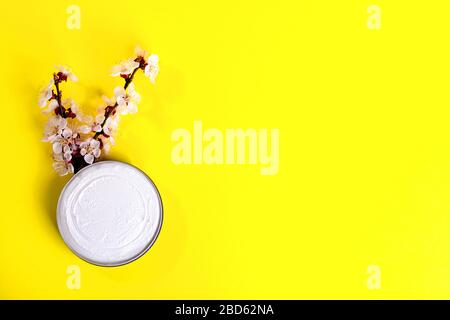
(89, 158)
(96, 153)
(70, 168)
(67, 156)
(132, 107)
(84, 129)
(119, 91)
(57, 147)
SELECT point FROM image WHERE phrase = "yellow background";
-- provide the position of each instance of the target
(364, 174)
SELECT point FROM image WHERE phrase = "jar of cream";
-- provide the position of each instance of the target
(109, 213)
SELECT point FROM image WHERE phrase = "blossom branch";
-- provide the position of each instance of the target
(58, 97)
(70, 133)
(111, 110)
(129, 79)
(59, 77)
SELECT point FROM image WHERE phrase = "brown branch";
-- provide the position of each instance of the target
(130, 78)
(62, 110)
(77, 159)
(111, 110)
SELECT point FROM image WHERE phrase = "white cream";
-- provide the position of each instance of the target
(109, 213)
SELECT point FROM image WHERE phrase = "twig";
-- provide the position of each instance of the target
(110, 110)
(62, 110)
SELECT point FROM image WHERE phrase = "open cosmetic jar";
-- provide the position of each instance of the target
(109, 213)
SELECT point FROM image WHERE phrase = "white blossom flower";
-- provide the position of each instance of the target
(125, 67)
(106, 143)
(70, 104)
(127, 100)
(68, 73)
(109, 101)
(140, 52)
(45, 94)
(109, 130)
(97, 124)
(67, 154)
(90, 149)
(54, 128)
(152, 67)
(72, 132)
(53, 104)
(66, 143)
(110, 126)
(63, 167)
(93, 125)
(61, 148)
